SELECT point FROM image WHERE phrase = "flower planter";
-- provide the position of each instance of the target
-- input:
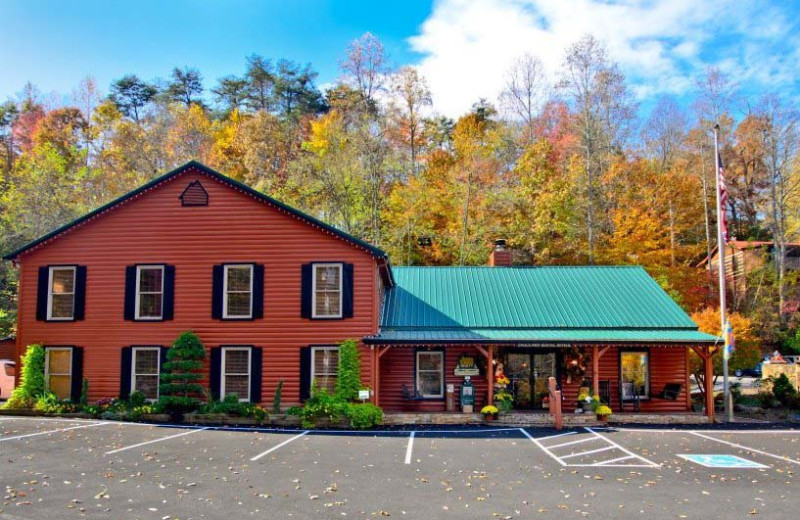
(489, 417)
(603, 418)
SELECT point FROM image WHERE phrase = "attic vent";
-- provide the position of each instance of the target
(194, 195)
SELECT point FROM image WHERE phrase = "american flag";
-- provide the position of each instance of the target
(730, 344)
(723, 198)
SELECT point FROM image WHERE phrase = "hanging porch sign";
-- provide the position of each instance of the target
(544, 345)
(466, 366)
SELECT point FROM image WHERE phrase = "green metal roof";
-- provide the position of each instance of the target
(518, 304)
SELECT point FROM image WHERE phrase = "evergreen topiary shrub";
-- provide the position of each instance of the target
(349, 382)
(180, 390)
(31, 379)
(782, 389)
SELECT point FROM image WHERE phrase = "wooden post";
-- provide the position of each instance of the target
(490, 375)
(377, 376)
(555, 402)
(595, 371)
(708, 376)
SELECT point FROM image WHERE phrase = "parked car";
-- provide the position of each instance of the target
(7, 370)
(792, 359)
(748, 372)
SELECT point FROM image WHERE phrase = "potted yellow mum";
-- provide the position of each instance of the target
(489, 413)
(603, 412)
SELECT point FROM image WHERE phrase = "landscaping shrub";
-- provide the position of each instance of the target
(84, 400)
(136, 399)
(232, 406)
(179, 388)
(765, 399)
(349, 378)
(782, 389)
(364, 415)
(31, 379)
(49, 403)
(320, 405)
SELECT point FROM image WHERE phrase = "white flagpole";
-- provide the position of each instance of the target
(722, 294)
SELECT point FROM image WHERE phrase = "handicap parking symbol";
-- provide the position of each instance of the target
(722, 461)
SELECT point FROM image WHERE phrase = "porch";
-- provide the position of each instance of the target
(641, 382)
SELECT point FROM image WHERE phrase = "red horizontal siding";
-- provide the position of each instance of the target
(155, 228)
(668, 364)
(397, 369)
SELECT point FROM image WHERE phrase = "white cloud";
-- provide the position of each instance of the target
(661, 45)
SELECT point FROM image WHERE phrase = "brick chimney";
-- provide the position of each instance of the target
(500, 256)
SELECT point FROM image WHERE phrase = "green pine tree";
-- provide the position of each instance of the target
(179, 388)
(31, 379)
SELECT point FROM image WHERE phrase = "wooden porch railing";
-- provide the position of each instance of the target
(555, 402)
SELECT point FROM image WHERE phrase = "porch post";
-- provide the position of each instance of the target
(708, 377)
(377, 368)
(373, 356)
(490, 375)
(595, 371)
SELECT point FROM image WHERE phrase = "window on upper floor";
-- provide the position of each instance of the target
(61, 293)
(149, 292)
(327, 291)
(238, 298)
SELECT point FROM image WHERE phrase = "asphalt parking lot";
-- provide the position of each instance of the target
(77, 469)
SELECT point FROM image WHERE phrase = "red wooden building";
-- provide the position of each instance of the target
(271, 291)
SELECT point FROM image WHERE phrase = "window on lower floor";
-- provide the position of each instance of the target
(58, 371)
(325, 367)
(430, 374)
(635, 373)
(236, 372)
(146, 369)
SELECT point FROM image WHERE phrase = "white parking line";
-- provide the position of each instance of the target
(587, 439)
(284, 443)
(624, 450)
(541, 447)
(156, 440)
(410, 447)
(557, 436)
(3, 439)
(752, 450)
(582, 453)
(612, 461)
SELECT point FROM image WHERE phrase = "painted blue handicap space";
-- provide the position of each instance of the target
(721, 461)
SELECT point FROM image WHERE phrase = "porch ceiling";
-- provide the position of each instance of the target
(463, 335)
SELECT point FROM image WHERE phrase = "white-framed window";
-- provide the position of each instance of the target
(237, 300)
(430, 373)
(325, 367)
(58, 371)
(61, 293)
(635, 373)
(235, 377)
(146, 370)
(326, 291)
(149, 292)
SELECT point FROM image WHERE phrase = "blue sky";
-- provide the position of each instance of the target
(462, 47)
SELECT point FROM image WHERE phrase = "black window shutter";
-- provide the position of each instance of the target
(130, 292)
(41, 294)
(215, 373)
(169, 292)
(305, 291)
(255, 374)
(164, 351)
(347, 290)
(77, 374)
(258, 291)
(216, 292)
(80, 292)
(305, 373)
(126, 372)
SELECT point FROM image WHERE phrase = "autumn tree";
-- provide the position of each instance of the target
(410, 97)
